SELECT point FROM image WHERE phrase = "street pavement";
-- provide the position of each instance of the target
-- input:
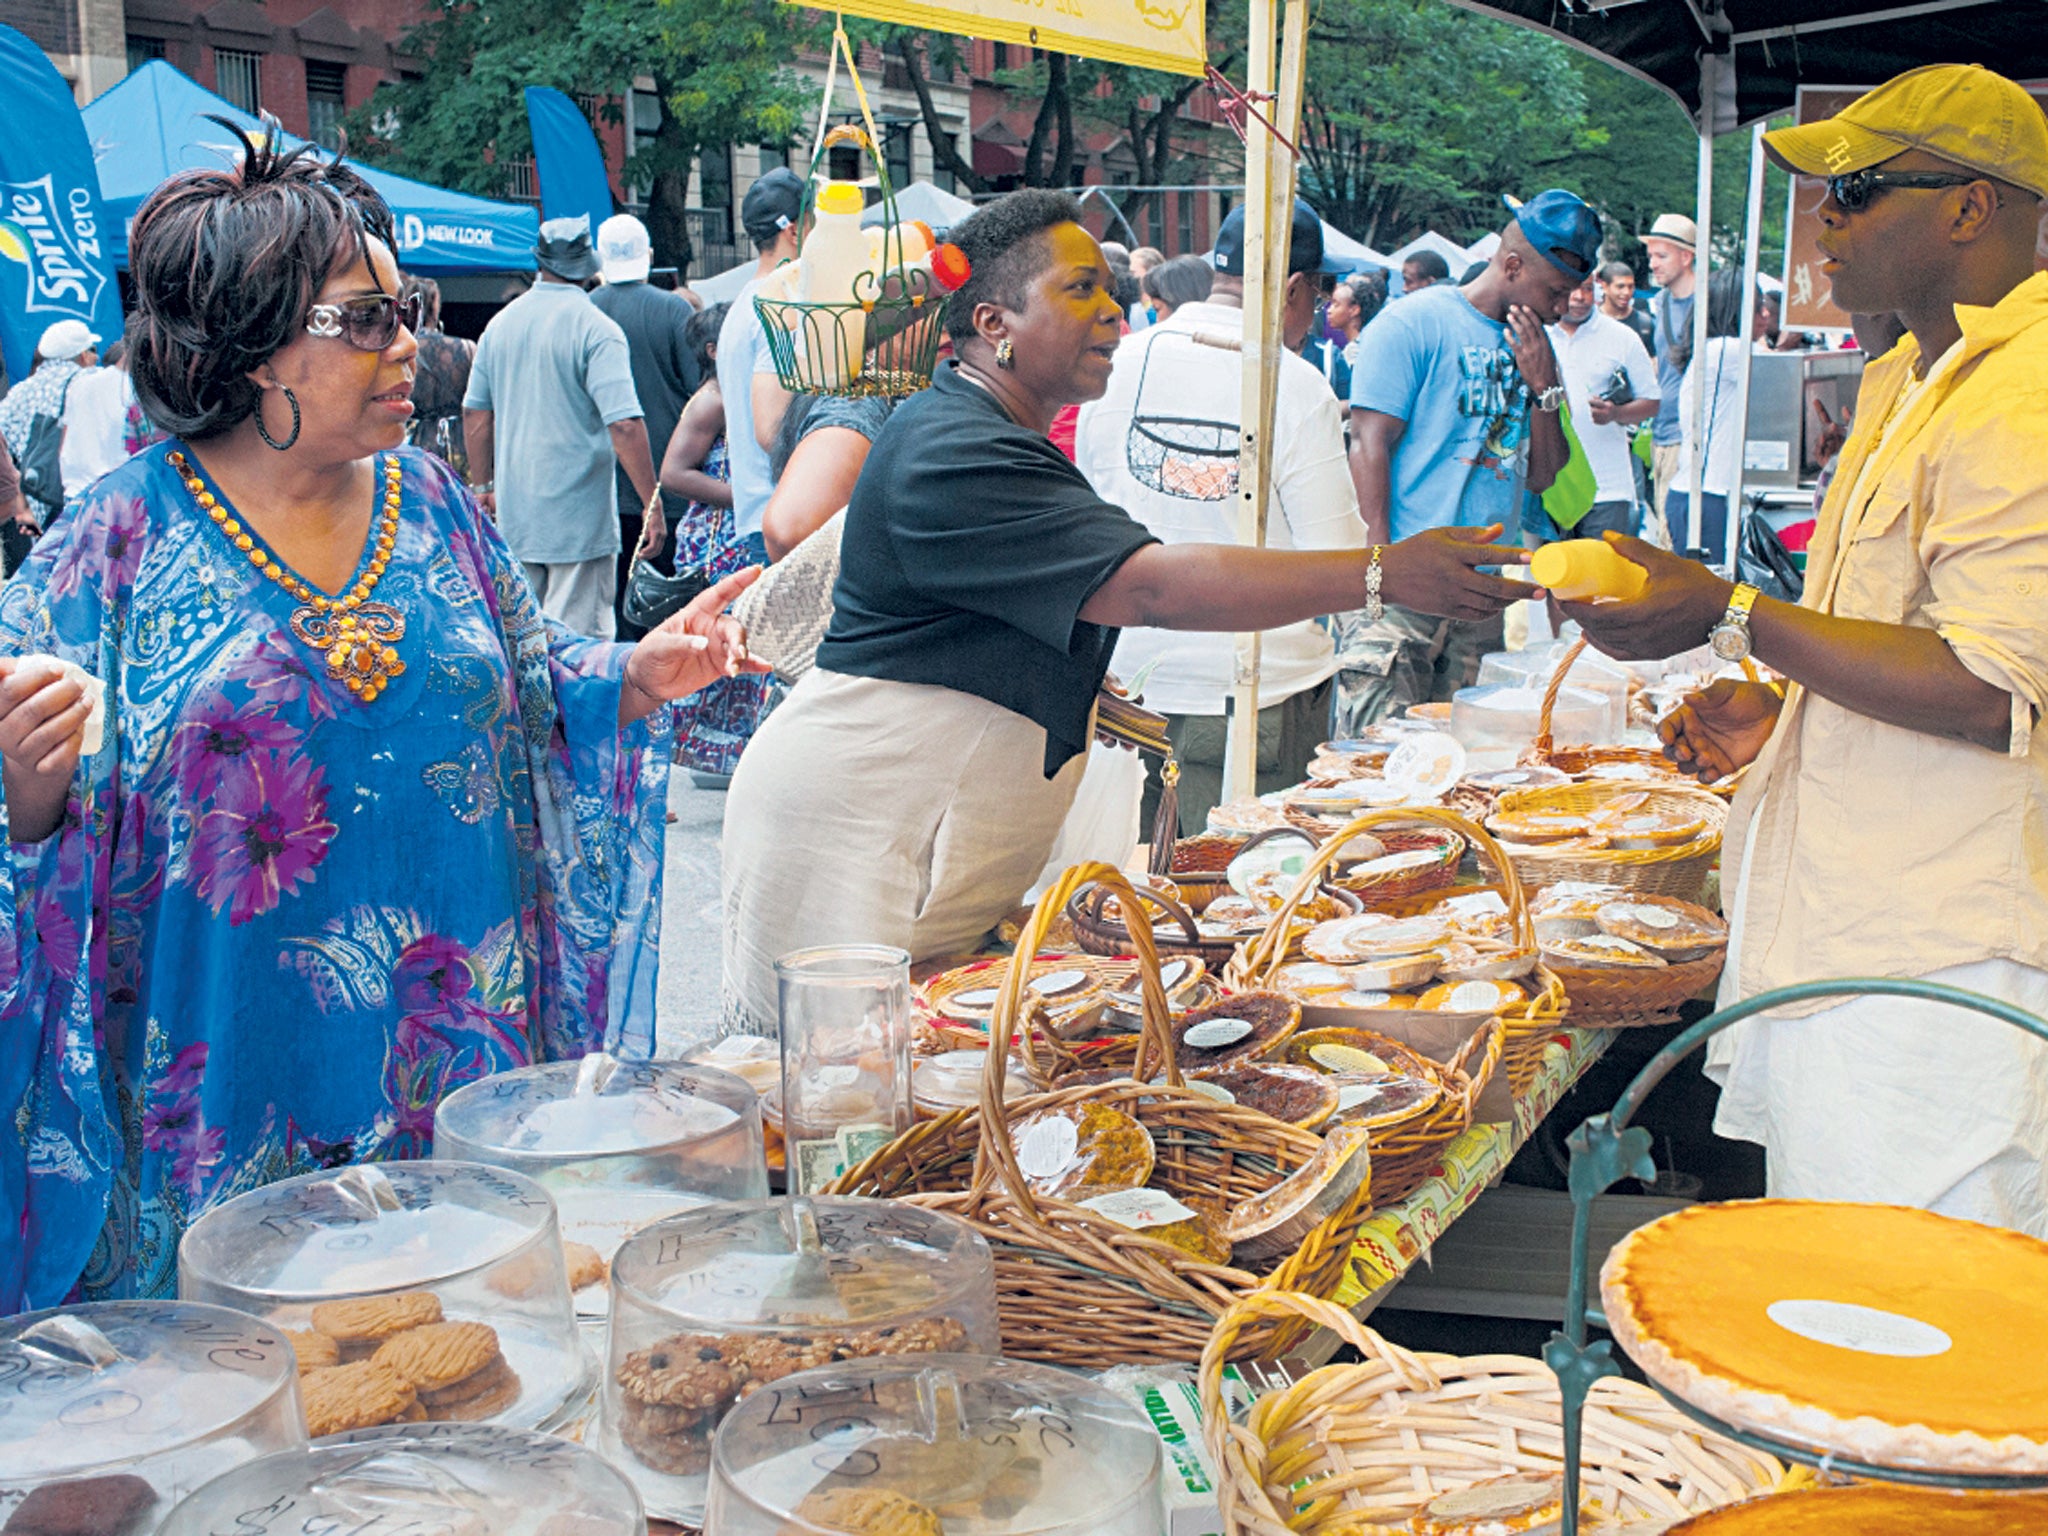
(687, 1006)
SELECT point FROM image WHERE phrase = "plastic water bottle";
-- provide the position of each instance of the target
(833, 258)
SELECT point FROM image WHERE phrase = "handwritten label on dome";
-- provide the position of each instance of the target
(1845, 1325)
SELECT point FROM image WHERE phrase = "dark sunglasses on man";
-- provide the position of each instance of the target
(1852, 192)
(370, 323)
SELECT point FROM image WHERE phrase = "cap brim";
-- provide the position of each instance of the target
(574, 271)
(634, 270)
(1830, 147)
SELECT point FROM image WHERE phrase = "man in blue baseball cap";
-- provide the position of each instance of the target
(1454, 402)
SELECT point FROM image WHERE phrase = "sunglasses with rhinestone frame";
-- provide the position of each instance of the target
(370, 323)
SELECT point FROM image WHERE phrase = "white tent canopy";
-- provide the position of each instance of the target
(1454, 254)
(1483, 248)
(726, 286)
(1341, 247)
(924, 201)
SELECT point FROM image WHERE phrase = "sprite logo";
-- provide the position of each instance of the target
(56, 240)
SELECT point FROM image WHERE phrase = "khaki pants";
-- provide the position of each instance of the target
(1289, 733)
(1406, 658)
(1663, 470)
(875, 812)
(578, 595)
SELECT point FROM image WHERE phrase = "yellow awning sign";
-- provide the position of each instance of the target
(1151, 34)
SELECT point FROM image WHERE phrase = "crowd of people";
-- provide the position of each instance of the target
(376, 760)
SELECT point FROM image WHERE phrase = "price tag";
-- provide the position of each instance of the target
(1139, 1208)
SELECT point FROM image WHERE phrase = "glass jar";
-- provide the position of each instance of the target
(618, 1144)
(419, 1480)
(111, 1412)
(969, 1445)
(715, 1302)
(357, 1261)
(845, 1022)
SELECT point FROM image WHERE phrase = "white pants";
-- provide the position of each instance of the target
(579, 594)
(875, 812)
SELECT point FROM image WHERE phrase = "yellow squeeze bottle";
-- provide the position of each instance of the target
(1578, 569)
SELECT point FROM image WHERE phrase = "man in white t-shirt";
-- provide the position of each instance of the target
(1600, 358)
(1162, 443)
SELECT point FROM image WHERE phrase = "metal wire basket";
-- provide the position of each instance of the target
(883, 342)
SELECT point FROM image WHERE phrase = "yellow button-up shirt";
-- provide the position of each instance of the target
(1868, 849)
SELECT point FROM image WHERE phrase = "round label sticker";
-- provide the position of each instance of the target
(1170, 974)
(1867, 1330)
(1216, 1091)
(1052, 983)
(1345, 1058)
(1474, 997)
(980, 997)
(1214, 1034)
(1654, 917)
(1361, 1000)
(1046, 1150)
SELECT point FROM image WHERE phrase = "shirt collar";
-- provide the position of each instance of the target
(1987, 326)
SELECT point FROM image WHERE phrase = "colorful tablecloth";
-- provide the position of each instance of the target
(1392, 1240)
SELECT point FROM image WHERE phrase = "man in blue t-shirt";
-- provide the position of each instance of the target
(1454, 400)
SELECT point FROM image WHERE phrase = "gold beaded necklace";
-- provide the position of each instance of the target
(357, 637)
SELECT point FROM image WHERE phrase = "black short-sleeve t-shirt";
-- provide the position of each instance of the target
(971, 546)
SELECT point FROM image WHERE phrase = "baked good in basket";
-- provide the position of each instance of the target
(1897, 1337)
(1373, 936)
(1382, 1098)
(1596, 951)
(1240, 1027)
(1495, 1506)
(1537, 827)
(1673, 930)
(1277, 1221)
(1298, 1095)
(1072, 1150)
(1471, 997)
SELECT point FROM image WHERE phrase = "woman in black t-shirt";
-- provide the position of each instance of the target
(912, 785)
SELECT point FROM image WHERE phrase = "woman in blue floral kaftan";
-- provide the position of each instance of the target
(364, 826)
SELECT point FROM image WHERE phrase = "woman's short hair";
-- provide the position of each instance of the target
(1004, 242)
(700, 335)
(226, 263)
(1183, 280)
(430, 299)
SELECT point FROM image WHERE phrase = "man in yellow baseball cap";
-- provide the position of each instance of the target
(1892, 820)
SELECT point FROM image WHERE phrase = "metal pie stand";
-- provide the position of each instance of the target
(1608, 1148)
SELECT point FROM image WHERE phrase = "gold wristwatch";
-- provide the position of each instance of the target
(1729, 639)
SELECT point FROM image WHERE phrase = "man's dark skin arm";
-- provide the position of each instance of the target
(1374, 436)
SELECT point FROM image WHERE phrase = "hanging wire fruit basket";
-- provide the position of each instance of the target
(884, 341)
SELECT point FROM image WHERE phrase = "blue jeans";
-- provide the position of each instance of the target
(1539, 529)
(1713, 523)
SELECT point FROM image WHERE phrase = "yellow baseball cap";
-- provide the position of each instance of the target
(1963, 113)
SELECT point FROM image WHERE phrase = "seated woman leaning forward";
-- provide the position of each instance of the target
(361, 826)
(911, 786)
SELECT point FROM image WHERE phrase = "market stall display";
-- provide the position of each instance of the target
(1871, 1340)
(946, 1446)
(1439, 1443)
(433, 1290)
(1095, 1281)
(111, 1412)
(481, 1478)
(1661, 838)
(618, 1144)
(712, 1306)
(1626, 958)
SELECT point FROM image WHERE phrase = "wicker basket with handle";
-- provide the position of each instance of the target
(1679, 871)
(1655, 767)
(1360, 1448)
(1072, 1287)
(1525, 1029)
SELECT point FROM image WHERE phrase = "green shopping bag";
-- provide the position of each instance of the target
(1573, 492)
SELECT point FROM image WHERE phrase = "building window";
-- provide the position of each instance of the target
(234, 74)
(326, 100)
(774, 157)
(896, 138)
(942, 173)
(1186, 223)
(522, 183)
(142, 49)
(1002, 53)
(714, 179)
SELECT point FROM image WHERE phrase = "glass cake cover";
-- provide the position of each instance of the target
(419, 1480)
(381, 1262)
(110, 1412)
(709, 1305)
(617, 1143)
(956, 1444)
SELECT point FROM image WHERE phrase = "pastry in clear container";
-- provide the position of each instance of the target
(419, 1480)
(718, 1304)
(441, 1286)
(952, 1080)
(1071, 1151)
(111, 1412)
(618, 1144)
(948, 1446)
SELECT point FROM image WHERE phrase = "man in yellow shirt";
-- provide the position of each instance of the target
(1894, 821)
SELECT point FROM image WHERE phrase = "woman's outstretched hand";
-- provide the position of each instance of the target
(689, 650)
(1438, 572)
(42, 735)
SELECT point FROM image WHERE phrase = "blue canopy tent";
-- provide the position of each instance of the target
(153, 125)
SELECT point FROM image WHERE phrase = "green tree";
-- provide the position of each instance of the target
(720, 68)
(1418, 115)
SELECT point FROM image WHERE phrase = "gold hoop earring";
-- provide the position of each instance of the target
(1006, 355)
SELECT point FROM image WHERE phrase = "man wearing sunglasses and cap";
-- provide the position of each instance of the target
(1892, 821)
(558, 372)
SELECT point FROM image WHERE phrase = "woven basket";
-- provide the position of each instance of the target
(1679, 871)
(1073, 1288)
(1396, 887)
(1355, 1448)
(1625, 997)
(1583, 759)
(1409, 1155)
